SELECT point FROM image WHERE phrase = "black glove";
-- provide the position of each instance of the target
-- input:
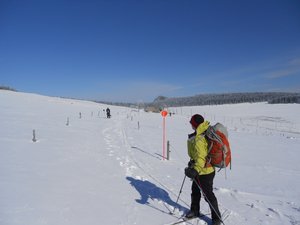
(190, 172)
(191, 163)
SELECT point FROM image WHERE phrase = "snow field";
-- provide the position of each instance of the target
(110, 171)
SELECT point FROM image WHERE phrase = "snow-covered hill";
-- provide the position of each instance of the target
(110, 171)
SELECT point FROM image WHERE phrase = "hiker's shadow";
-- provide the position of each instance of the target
(148, 190)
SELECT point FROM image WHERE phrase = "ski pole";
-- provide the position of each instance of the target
(208, 200)
(179, 192)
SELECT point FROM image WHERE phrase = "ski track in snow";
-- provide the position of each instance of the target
(137, 169)
(254, 205)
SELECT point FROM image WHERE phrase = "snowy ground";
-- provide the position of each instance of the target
(110, 171)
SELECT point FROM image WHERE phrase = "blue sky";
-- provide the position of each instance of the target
(136, 50)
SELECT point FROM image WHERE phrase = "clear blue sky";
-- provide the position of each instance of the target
(136, 50)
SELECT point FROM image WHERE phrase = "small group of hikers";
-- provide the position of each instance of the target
(201, 174)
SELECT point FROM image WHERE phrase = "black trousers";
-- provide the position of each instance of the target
(205, 182)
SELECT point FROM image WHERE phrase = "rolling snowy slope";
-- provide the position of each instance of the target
(110, 171)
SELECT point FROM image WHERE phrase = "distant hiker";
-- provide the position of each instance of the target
(201, 174)
(108, 113)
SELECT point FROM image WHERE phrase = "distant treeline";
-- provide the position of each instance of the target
(213, 99)
(230, 98)
(7, 88)
(286, 99)
(125, 104)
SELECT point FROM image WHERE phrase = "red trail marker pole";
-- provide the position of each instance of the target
(164, 113)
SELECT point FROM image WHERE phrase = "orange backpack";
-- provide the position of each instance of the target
(219, 153)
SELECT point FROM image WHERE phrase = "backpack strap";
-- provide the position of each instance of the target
(208, 159)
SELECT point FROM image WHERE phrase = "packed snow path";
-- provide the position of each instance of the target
(110, 171)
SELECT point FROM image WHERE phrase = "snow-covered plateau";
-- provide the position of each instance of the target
(85, 169)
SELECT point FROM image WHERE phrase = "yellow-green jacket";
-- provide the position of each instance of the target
(198, 148)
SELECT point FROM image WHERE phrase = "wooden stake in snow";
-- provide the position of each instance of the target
(168, 150)
(67, 122)
(33, 134)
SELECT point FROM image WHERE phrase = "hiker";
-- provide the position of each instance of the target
(201, 174)
(108, 113)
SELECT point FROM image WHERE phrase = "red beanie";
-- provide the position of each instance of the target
(196, 120)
